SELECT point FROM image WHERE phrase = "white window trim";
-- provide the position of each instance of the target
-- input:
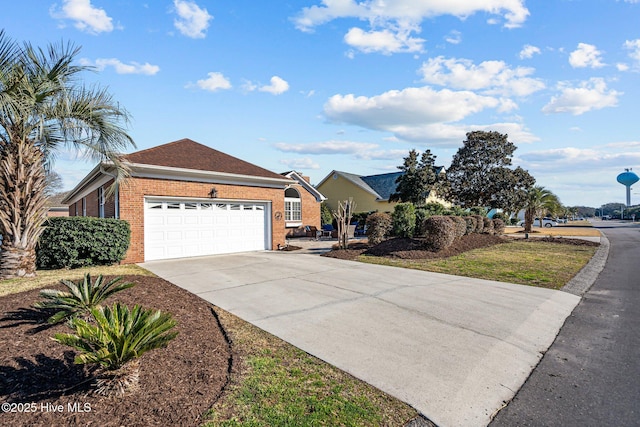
(101, 202)
(84, 206)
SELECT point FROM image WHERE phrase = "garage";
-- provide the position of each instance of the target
(187, 228)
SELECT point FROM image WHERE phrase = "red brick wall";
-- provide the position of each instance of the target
(133, 191)
(310, 212)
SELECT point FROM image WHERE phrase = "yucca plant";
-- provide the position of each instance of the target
(80, 298)
(117, 338)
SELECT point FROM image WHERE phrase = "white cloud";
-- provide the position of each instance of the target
(393, 23)
(454, 37)
(122, 68)
(634, 47)
(214, 81)
(581, 158)
(528, 51)
(192, 20)
(414, 11)
(586, 55)
(385, 41)
(326, 147)
(300, 164)
(491, 77)
(278, 86)
(86, 17)
(412, 106)
(592, 94)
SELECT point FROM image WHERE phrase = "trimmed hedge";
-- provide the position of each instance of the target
(404, 219)
(471, 224)
(498, 226)
(487, 227)
(379, 226)
(439, 232)
(479, 223)
(460, 225)
(71, 242)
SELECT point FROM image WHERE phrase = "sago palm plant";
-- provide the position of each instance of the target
(115, 341)
(80, 297)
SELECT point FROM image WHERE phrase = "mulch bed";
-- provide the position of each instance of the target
(178, 384)
(414, 248)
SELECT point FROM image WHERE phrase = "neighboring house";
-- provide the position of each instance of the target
(56, 207)
(370, 193)
(185, 199)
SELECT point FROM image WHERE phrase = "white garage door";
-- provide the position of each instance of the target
(177, 229)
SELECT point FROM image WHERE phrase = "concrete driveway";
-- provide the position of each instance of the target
(454, 348)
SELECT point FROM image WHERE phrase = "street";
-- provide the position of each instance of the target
(589, 376)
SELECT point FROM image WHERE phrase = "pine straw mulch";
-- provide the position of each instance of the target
(178, 384)
(414, 248)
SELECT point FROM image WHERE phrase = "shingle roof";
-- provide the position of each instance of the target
(188, 154)
(382, 185)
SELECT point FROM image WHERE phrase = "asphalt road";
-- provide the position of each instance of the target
(590, 376)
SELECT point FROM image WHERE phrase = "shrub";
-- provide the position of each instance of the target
(439, 232)
(478, 210)
(460, 225)
(71, 242)
(471, 224)
(455, 211)
(379, 226)
(80, 298)
(501, 215)
(326, 217)
(404, 219)
(498, 226)
(116, 340)
(487, 226)
(479, 223)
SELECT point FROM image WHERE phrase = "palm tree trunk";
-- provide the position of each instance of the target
(22, 207)
(528, 220)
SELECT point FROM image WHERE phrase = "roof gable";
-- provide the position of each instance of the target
(188, 154)
(382, 186)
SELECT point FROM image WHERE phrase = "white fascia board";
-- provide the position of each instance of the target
(89, 183)
(310, 188)
(180, 174)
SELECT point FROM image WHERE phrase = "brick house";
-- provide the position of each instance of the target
(185, 199)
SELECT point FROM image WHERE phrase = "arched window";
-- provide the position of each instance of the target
(292, 207)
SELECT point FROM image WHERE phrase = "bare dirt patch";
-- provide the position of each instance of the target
(178, 384)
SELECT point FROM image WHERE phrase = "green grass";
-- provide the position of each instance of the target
(279, 385)
(49, 277)
(543, 264)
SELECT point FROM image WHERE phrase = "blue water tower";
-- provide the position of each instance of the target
(628, 178)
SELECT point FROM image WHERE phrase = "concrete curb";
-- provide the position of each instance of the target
(582, 281)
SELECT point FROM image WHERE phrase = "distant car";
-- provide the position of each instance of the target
(606, 217)
(561, 220)
(546, 222)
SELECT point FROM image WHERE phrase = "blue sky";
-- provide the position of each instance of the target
(318, 85)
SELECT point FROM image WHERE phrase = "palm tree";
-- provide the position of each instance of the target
(539, 201)
(43, 108)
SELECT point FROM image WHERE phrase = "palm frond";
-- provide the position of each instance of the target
(81, 296)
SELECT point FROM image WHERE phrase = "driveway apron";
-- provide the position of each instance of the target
(454, 348)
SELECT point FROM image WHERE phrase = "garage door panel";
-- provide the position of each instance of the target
(175, 229)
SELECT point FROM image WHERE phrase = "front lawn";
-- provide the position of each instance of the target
(548, 263)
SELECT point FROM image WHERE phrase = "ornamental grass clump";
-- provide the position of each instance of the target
(439, 233)
(115, 339)
(80, 297)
